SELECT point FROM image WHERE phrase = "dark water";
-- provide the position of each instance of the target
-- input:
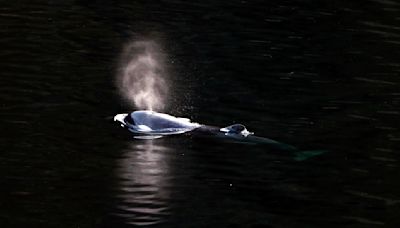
(314, 74)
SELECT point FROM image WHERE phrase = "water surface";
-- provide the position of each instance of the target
(317, 75)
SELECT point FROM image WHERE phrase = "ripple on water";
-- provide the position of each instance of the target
(144, 190)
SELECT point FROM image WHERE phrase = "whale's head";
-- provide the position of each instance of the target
(236, 130)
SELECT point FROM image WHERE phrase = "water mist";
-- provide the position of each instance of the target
(141, 79)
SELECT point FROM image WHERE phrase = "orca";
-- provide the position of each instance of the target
(145, 124)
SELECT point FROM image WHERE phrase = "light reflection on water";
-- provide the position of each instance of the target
(144, 186)
(313, 75)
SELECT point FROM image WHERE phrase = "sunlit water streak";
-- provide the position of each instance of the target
(144, 186)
